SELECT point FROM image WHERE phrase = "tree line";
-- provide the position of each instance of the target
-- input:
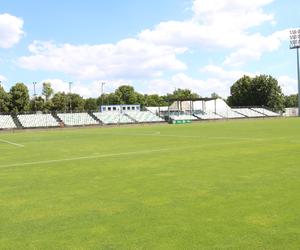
(17, 99)
(262, 90)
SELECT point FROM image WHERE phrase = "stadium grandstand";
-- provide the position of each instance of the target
(7, 122)
(266, 112)
(38, 120)
(208, 109)
(113, 117)
(179, 111)
(77, 119)
(144, 116)
(248, 112)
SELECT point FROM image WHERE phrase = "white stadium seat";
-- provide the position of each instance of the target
(37, 120)
(229, 114)
(207, 116)
(248, 112)
(6, 122)
(144, 116)
(77, 119)
(112, 117)
(265, 112)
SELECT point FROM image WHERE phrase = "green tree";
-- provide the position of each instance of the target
(37, 104)
(261, 90)
(19, 98)
(154, 100)
(4, 100)
(47, 91)
(215, 95)
(109, 99)
(48, 106)
(291, 101)
(126, 94)
(241, 92)
(90, 104)
(77, 103)
(182, 94)
(141, 100)
(59, 102)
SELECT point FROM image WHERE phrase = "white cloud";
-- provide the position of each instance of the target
(223, 24)
(289, 85)
(2, 81)
(222, 74)
(11, 30)
(227, 25)
(158, 86)
(2, 78)
(181, 80)
(220, 23)
(255, 45)
(84, 89)
(219, 11)
(129, 58)
(218, 80)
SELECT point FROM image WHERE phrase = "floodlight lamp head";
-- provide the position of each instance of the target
(295, 39)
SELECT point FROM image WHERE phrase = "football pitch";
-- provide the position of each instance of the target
(209, 185)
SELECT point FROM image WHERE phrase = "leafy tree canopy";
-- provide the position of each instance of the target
(262, 90)
(19, 98)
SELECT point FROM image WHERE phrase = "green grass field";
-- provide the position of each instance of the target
(210, 185)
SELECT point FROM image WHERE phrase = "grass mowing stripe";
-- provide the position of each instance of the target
(158, 134)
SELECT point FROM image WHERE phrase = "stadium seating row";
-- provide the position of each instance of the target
(6, 122)
(38, 120)
(247, 112)
(77, 119)
(83, 119)
(113, 118)
(208, 116)
(145, 116)
(265, 112)
(209, 110)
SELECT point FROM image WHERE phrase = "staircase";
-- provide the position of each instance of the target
(61, 123)
(95, 118)
(135, 121)
(17, 121)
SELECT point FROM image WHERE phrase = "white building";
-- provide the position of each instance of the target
(120, 108)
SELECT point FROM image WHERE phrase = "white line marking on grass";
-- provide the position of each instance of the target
(112, 155)
(83, 158)
(12, 143)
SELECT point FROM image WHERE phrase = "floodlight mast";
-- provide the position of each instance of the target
(295, 44)
(70, 94)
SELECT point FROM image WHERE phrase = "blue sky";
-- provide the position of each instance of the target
(156, 46)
